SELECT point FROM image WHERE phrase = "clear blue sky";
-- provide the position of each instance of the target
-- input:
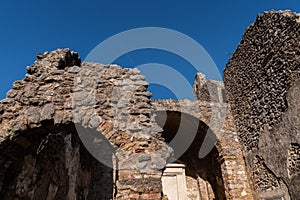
(28, 27)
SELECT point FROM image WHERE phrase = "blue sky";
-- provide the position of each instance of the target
(28, 27)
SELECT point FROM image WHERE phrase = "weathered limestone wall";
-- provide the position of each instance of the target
(107, 106)
(284, 159)
(258, 80)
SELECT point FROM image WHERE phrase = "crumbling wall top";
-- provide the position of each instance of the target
(58, 88)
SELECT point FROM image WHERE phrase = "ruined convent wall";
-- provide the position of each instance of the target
(262, 85)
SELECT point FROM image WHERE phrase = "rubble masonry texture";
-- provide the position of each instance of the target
(61, 96)
(261, 80)
(46, 116)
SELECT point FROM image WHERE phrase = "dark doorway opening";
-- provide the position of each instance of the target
(203, 176)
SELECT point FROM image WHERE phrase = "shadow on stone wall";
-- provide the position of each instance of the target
(51, 162)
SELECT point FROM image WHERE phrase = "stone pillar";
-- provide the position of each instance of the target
(174, 182)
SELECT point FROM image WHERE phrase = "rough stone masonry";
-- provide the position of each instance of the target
(262, 84)
(66, 115)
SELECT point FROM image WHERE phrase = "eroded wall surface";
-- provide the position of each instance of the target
(260, 83)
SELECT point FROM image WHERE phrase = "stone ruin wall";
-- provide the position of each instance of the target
(61, 96)
(262, 85)
(42, 156)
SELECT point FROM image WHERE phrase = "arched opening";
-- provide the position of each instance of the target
(203, 177)
(50, 162)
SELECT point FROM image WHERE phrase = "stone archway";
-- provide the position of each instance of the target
(203, 177)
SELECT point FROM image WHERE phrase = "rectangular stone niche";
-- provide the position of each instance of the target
(174, 182)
